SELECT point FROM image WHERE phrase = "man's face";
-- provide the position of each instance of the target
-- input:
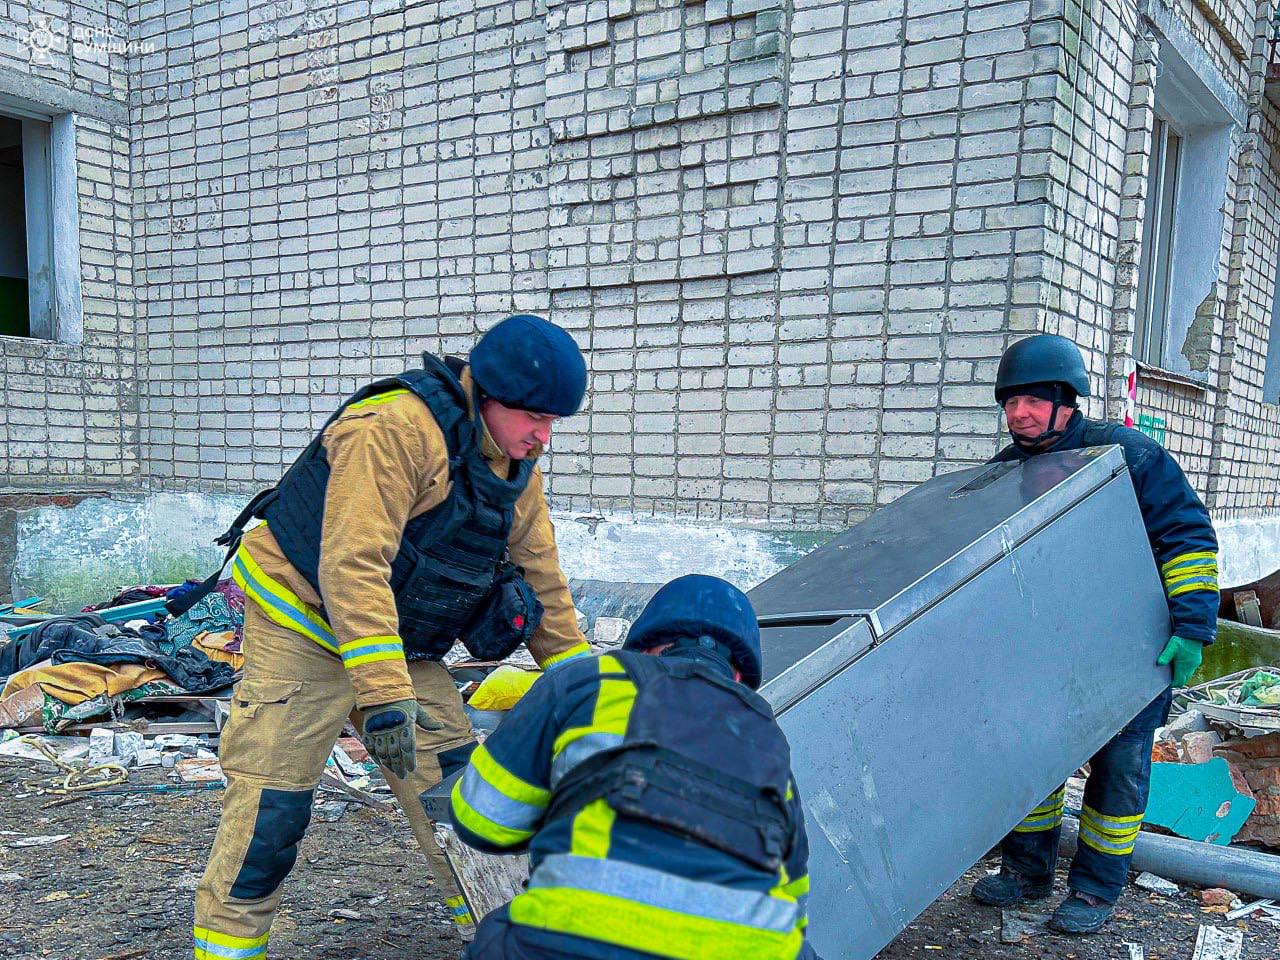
(1029, 416)
(516, 432)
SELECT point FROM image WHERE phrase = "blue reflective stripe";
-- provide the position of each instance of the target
(654, 888)
(1209, 583)
(305, 626)
(1103, 845)
(492, 804)
(372, 648)
(231, 953)
(579, 750)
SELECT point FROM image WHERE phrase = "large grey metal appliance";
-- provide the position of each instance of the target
(943, 666)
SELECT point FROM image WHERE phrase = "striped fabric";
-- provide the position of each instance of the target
(495, 804)
(1047, 816)
(1110, 835)
(1189, 572)
(211, 945)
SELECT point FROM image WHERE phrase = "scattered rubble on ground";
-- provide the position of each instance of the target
(115, 798)
(1214, 725)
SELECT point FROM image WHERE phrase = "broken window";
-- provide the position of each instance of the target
(39, 226)
(1197, 116)
(1152, 315)
(14, 311)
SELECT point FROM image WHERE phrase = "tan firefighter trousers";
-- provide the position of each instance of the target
(286, 714)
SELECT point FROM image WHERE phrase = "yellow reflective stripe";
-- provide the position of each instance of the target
(481, 825)
(638, 926)
(797, 888)
(577, 650)
(1102, 845)
(1038, 827)
(211, 945)
(1045, 810)
(378, 398)
(1117, 842)
(279, 603)
(1127, 822)
(592, 826)
(364, 650)
(1184, 573)
(1183, 558)
(1193, 587)
(459, 910)
(612, 708)
(506, 782)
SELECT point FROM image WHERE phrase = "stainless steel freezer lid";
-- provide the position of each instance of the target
(912, 552)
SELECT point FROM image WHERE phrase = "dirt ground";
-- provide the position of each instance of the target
(120, 887)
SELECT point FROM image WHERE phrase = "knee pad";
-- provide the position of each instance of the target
(282, 821)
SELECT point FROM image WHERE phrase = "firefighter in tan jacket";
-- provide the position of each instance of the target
(415, 518)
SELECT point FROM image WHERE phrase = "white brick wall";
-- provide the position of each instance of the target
(793, 238)
(69, 416)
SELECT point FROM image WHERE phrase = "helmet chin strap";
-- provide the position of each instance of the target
(1032, 443)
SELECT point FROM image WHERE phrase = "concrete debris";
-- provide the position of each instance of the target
(148, 757)
(1198, 745)
(1218, 943)
(1249, 908)
(328, 811)
(1149, 881)
(610, 632)
(342, 914)
(102, 745)
(39, 841)
(1019, 926)
(1189, 721)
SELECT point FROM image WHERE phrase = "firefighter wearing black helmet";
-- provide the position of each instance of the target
(1038, 385)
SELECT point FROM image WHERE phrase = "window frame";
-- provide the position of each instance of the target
(51, 189)
(1159, 234)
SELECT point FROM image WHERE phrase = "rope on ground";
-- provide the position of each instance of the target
(72, 778)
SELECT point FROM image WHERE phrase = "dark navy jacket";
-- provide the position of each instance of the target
(609, 886)
(1182, 537)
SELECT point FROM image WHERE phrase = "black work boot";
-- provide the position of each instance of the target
(1080, 913)
(1006, 888)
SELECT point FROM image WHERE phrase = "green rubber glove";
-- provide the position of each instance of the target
(1185, 655)
(388, 734)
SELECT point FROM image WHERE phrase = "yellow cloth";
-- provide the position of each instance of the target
(389, 463)
(77, 682)
(502, 689)
(213, 644)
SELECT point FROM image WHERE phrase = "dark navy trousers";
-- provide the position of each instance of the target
(1115, 800)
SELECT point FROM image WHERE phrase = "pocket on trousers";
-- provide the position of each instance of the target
(258, 739)
(253, 693)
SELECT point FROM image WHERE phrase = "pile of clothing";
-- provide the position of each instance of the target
(86, 667)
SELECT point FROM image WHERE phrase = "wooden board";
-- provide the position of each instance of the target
(486, 881)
